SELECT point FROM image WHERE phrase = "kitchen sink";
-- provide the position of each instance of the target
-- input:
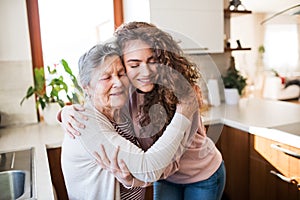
(17, 175)
(12, 184)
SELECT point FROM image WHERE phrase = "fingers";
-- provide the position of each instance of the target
(76, 113)
(104, 157)
(126, 176)
(123, 166)
(104, 162)
(78, 107)
(69, 127)
(114, 162)
(99, 160)
(118, 169)
(70, 116)
(70, 132)
(75, 123)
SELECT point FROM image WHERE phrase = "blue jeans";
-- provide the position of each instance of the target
(209, 189)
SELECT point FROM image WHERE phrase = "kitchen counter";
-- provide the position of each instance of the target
(266, 118)
(39, 136)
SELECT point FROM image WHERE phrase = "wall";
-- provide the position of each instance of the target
(248, 30)
(211, 66)
(15, 64)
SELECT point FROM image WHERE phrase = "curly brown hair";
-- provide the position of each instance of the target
(167, 52)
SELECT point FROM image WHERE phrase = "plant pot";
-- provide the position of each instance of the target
(50, 113)
(232, 96)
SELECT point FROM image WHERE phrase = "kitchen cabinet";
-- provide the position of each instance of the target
(258, 168)
(227, 24)
(271, 168)
(149, 193)
(196, 24)
(234, 146)
(54, 156)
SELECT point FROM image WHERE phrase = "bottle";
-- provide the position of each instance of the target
(213, 92)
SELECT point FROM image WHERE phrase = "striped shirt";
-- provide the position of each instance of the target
(125, 129)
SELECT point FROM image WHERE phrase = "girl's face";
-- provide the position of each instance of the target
(108, 87)
(141, 67)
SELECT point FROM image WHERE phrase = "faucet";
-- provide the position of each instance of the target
(2, 159)
(7, 161)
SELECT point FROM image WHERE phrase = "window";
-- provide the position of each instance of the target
(282, 47)
(69, 28)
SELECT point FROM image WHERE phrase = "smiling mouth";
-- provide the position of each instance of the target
(146, 81)
(117, 93)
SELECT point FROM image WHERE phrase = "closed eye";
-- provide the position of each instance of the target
(104, 78)
(152, 61)
(133, 64)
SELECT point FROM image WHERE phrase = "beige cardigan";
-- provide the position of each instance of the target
(86, 180)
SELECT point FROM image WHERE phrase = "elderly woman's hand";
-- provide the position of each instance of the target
(118, 169)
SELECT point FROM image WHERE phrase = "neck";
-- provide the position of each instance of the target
(112, 114)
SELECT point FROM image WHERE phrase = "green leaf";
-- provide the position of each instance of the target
(66, 67)
(54, 71)
(29, 93)
(57, 85)
(233, 79)
(42, 103)
(61, 103)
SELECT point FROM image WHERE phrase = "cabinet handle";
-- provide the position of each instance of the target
(286, 151)
(284, 178)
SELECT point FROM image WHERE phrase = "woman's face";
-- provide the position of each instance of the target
(141, 67)
(109, 85)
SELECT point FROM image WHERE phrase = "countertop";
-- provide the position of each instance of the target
(40, 136)
(271, 119)
(267, 118)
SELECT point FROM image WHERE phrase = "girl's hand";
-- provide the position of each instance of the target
(118, 169)
(69, 118)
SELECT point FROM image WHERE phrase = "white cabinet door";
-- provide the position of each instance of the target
(202, 5)
(196, 31)
(197, 25)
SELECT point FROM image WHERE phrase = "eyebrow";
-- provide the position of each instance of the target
(137, 60)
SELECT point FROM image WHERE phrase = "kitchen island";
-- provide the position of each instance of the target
(255, 116)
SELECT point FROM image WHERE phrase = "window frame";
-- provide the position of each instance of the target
(35, 32)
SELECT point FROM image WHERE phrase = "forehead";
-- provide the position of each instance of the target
(110, 64)
(135, 45)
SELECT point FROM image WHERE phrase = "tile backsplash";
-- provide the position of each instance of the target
(211, 66)
(15, 78)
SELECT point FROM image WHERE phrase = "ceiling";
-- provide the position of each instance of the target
(269, 6)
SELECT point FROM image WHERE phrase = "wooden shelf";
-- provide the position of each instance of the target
(237, 49)
(233, 13)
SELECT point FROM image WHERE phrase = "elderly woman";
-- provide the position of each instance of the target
(105, 84)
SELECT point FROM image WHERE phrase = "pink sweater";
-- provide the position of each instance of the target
(200, 159)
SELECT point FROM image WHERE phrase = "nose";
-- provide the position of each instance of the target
(145, 70)
(116, 81)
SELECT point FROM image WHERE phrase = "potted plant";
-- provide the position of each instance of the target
(234, 84)
(56, 94)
